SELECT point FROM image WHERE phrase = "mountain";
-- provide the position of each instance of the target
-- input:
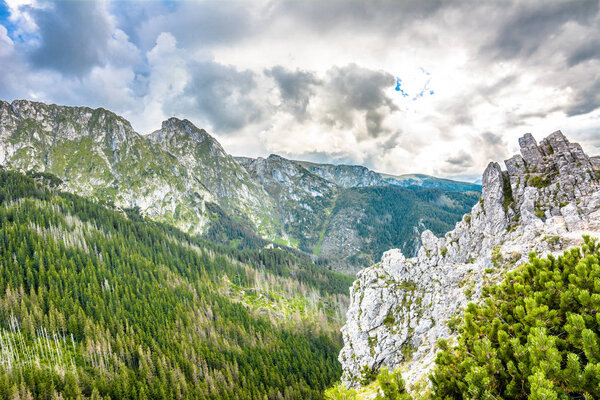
(98, 302)
(545, 201)
(98, 154)
(349, 215)
(358, 176)
(182, 176)
(427, 181)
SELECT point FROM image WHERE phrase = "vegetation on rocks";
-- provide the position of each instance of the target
(536, 335)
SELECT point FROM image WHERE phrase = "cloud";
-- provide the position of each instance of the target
(333, 15)
(195, 24)
(356, 98)
(462, 160)
(587, 99)
(588, 50)
(490, 146)
(296, 89)
(223, 95)
(498, 69)
(74, 36)
(531, 25)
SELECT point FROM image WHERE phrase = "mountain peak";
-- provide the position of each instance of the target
(176, 128)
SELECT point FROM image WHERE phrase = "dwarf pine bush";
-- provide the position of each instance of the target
(536, 335)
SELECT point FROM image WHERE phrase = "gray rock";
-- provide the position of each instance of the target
(400, 307)
(530, 151)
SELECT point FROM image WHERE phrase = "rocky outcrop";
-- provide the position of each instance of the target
(548, 197)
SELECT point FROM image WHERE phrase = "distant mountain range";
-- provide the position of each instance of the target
(344, 215)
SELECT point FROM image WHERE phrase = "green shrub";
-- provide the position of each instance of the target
(389, 320)
(538, 182)
(535, 336)
(339, 392)
(392, 386)
(509, 200)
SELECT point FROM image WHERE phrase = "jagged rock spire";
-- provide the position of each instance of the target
(530, 151)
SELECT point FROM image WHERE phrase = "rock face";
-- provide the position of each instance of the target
(545, 201)
(302, 197)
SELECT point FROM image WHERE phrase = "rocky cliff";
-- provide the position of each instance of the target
(548, 197)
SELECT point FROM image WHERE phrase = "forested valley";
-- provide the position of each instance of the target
(98, 302)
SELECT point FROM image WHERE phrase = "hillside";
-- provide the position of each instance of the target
(546, 200)
(101, 303)
(349, 215)
(181, 175)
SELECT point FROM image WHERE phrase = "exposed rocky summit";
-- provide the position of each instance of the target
(548, 197)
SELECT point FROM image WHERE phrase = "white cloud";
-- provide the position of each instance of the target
(497, 70)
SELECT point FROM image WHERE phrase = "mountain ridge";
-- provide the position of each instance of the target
(181, 175)
(352, 175)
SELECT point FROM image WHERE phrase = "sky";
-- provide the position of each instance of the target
(435, 87)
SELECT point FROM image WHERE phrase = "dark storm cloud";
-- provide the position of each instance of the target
(221, 94)
(530, 25)
(588, 50)
(296, 88)
(360, 88)
(73, 37)
(353, 88)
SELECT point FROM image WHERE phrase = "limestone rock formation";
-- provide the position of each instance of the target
(548, 197)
